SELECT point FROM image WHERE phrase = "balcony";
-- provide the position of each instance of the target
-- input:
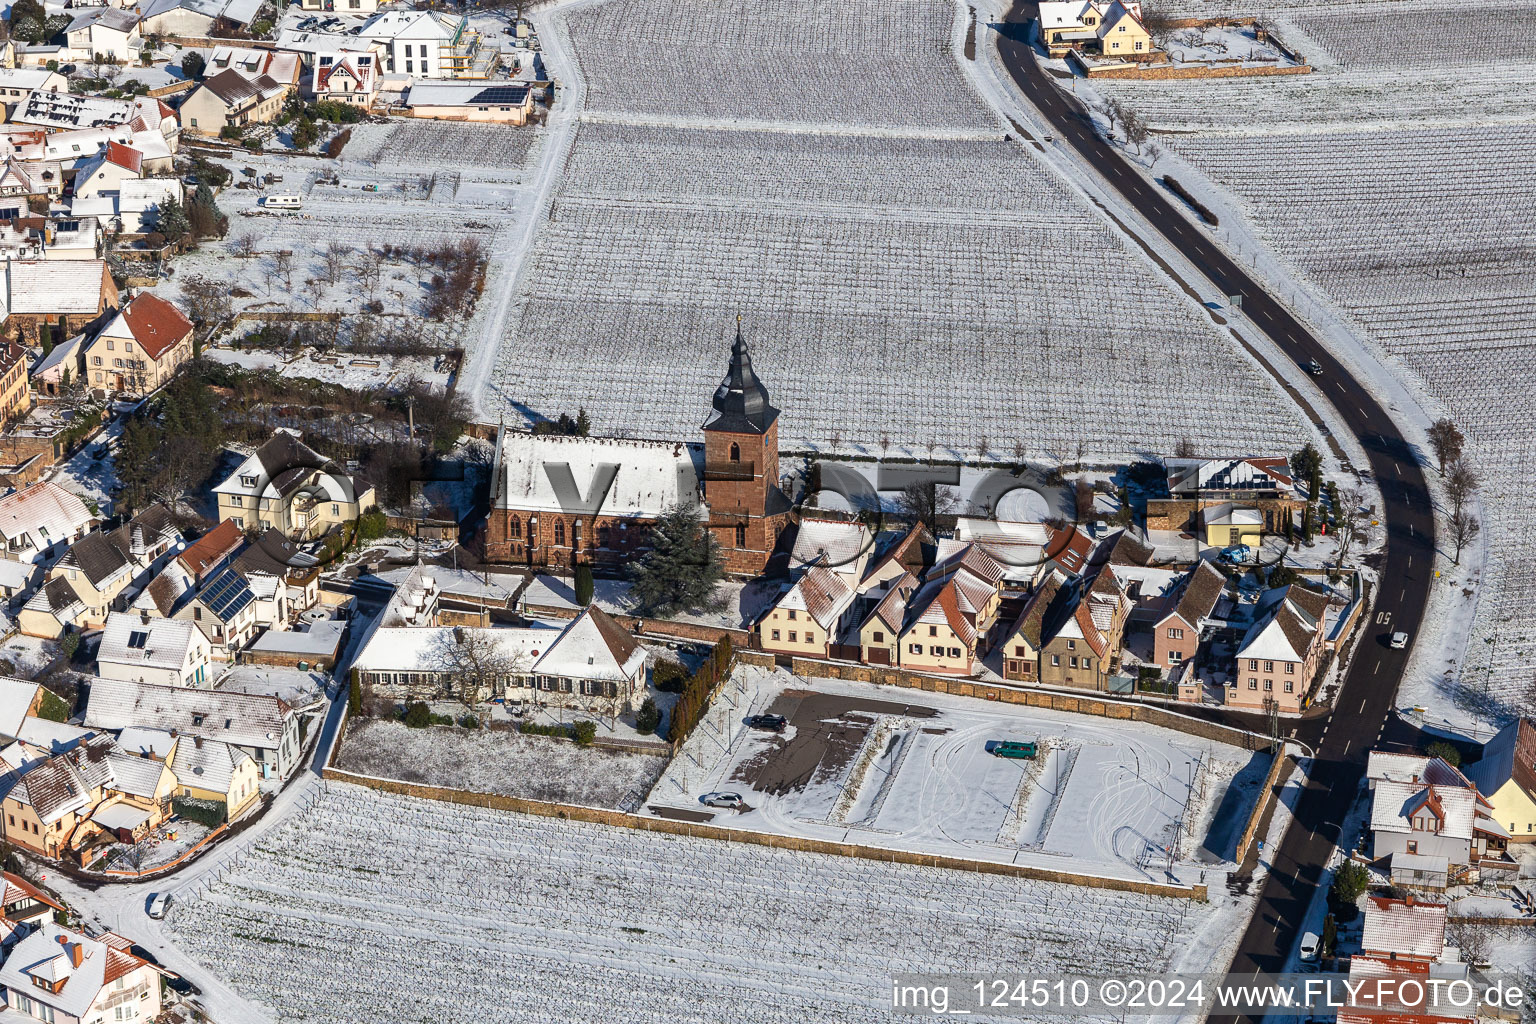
(729, 470)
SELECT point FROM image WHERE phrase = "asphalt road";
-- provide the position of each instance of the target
(1365, 699)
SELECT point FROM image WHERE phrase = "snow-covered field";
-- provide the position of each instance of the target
(882, 236)
(499, 761)
(375, 907)
(1392, 182)
(912, 772)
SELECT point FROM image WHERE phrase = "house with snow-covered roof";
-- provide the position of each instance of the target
(263, 726)
(195, 17)
(147, 648)
(1070, 631)
(1111, 28)
(134, 208)
(1430, 827)
(40, 520)
(810, 616)
(106, 568)
(1506, 777)
(1278, 657)
(880, 630)
(346, 76)
(1261, 483)
(287, 486)
(60, 974)
(73, 293)
(138, 350)
(106, 171)
(590, 663)
(104, 31)
(1179, 619)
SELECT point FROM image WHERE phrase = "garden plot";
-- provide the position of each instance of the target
(911, 771)
(868, 64)
(1398, 197)
(483, 915)
(372, 372)
(498, 761)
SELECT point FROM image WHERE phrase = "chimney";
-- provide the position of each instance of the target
(1408, 899)
(144, 616)
(197, 741)
(76, 954)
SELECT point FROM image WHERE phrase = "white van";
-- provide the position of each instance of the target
(283, 202)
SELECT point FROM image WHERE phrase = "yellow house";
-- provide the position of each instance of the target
(937, 637)
(287, 486)
(216, 772)
(1228, 524)
(231, 100)
(880, 633)
(809, 616)
(15, 395)
(1506, 777)
(100, 566)
(1110, 27)
(140, 349)
(46, 806)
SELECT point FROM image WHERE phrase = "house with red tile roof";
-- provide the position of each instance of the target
(1070, 631)
(57, 973)
(210, 552)
(106, 172)
(140, 349)
(346, 76)
(811, 615)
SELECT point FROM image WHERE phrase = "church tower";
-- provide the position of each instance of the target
(747, 510)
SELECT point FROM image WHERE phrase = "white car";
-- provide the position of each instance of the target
(1399, 641)
(1309, 945)
(159, 903)
(732, 800)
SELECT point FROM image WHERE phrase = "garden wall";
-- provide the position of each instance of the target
(1267, 797)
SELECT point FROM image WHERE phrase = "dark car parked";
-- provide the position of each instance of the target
(773, 723)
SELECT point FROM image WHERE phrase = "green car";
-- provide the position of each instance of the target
(1027, 749)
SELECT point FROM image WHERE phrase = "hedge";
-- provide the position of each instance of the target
(204, 812)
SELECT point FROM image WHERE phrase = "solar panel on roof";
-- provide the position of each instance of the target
(226, 594)
(137, 639)
(501, 94)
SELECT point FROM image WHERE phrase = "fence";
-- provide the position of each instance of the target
(162, 868)
(700, 830)
(1261, 806)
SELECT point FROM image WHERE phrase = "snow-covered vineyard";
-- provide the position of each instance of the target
(797, 60)
(410, 910)
(1420, 235)
(909, 252)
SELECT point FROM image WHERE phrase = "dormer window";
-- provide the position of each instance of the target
(247, 481)
(735, 452)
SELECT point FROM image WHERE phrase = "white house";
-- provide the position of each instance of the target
(346, 76)
(104, 32)
(145, 648)
(56, 973)
(41, 520)
(415, 42)
(108, 170)
(1428, 820)
(195, 17)
(135, 207)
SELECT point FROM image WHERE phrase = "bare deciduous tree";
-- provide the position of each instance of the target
(243, 246)
(1460, 483)
(477, 665)
(282, 266)
(1446, 441)
(335, 261)
(1464, 530)
(924, 501)
(1354, 522)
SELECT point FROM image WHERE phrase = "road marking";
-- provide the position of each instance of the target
(1377, 668)
(1363, 412)
(1410, 561)
(1362, 706)
(1400, 594)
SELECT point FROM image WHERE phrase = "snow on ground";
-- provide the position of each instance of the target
(301, 689)
(160, 847)
(735, 605)
(498, 761)
(1395, 198)
(90, 473)
(356, 372)
(26, 656)
(910, 770)
(473, 912)
(883, 243)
